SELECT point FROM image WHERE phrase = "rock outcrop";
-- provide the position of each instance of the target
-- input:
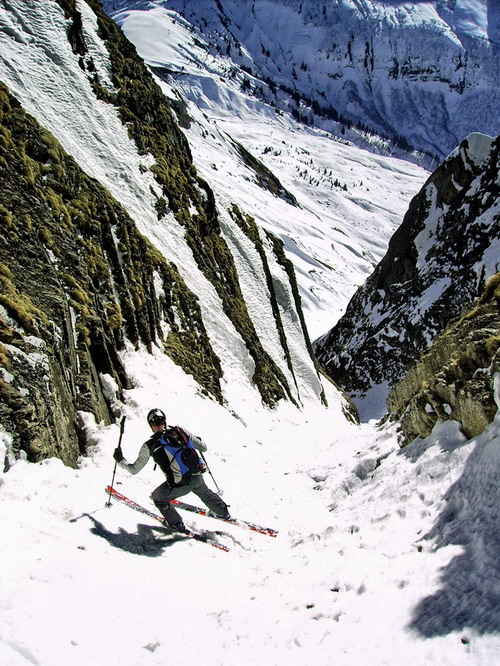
(454, 379)
(77, 280)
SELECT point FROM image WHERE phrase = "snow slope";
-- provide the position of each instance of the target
(425, 71)
(382, 552)
(335, 236)
(371, 544)
(44, 74)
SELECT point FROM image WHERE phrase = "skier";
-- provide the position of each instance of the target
(169, 489)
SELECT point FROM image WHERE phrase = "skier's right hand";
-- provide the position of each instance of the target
(118, 454)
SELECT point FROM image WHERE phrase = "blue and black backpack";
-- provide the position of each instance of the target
(182, 456)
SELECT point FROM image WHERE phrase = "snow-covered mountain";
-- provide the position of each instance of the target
(349, 200)
(424, 74)
(160, 260)
(437, 263)
(143, 264)
(182, 54)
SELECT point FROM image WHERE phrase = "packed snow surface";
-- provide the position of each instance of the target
(381, 551)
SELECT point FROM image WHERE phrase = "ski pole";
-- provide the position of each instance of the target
(122, 428)
(219, 491)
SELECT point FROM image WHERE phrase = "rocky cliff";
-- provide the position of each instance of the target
(454, 379)
(81, 276)
(436, 265)
(78, 281)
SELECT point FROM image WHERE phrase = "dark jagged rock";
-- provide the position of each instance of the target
(77, 279)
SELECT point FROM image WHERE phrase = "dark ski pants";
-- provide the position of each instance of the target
(162, 495)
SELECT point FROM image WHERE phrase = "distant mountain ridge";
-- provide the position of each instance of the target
(424, 74)
(350, 189)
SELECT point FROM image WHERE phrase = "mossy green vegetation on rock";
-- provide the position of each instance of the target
(77, 280)
(150, 123)
(264, 177)
(454, 378)
(249, 227)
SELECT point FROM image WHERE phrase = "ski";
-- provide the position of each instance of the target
(187, 532)
(232, 521)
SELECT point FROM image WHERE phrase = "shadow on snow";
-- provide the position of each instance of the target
(142, 542)
(469, 596)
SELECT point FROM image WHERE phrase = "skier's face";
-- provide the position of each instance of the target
(156, 426)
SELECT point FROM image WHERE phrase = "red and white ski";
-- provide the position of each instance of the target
(232, 521)
(187, 532)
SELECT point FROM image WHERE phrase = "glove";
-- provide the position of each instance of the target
(118, 455)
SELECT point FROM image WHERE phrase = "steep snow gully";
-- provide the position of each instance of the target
(385, 556)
